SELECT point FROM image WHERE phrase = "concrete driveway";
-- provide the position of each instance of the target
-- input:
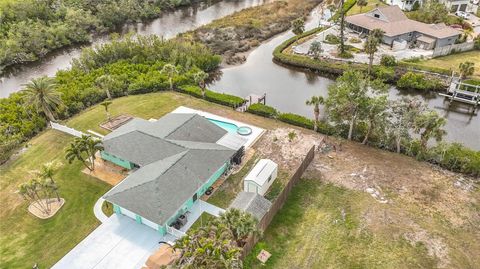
(118, 243)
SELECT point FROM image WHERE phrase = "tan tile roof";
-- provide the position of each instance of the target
(397, 24)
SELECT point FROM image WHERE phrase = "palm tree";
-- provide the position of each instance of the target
(466, 69)
(170, 71)
(342, 28)
(105, 82)
(200, 78)
(47, 171)
(105, 105)
(315, 101)
(83, 148)
(371, 46)
(240, 223)
(361, 4)
(429, 125)
(41, 93)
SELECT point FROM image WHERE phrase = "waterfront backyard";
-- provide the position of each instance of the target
(25, 240)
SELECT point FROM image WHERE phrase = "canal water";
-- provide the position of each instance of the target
(287, 89)
(168, 25)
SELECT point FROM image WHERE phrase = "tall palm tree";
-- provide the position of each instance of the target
(42, 94)
(105, 82)
(105, 105)
(371, 46)
(91, 145)
(315, 101)
(170, 71)
(466, 69)
(240, 223)
(361, 4)
(200, 78)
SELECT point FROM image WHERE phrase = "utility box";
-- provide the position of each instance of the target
(261, 177)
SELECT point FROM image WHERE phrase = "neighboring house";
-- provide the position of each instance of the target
(252, 203)
(455, 5)
(398, 28)
(261, 177)
(174, 160)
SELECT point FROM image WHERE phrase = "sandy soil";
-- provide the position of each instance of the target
(53, 203)
(422, 203)
(106, 171)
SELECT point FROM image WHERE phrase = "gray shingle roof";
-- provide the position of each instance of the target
(252, 203)
(171, 170)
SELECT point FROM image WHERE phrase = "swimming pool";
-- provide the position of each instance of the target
(230, 127)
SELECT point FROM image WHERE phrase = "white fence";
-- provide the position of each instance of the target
(66, 129)
(175, 232)
(442, 51)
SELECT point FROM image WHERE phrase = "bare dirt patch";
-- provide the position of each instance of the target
(106, 171)
(52, 203)
(417, 201)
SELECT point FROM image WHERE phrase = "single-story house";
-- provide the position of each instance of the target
(261, 177)
(397, 28)
(173, 161)
(252, 203)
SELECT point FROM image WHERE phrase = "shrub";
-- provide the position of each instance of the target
(296, 120)
(332, 39)
(355, 40)
(384, 73)
(388, 60)
(191, 90)
(262, 110)
(477, 41)
(456, 157)
(345, 55)
(224, 99)
(418, 81)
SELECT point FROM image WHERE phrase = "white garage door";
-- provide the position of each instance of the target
(128, 213)
(150, 223)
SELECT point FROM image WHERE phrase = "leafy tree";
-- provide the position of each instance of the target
(41, 93)
(376, 114)
(83, 148)
(240, 223)
(298, 26)
(429, 125)
(402, 116)
(211, 246)
(371, 46)
(315, 101)
(430, 11)
(466, 69)
(361, 4)
(37, 194)
(105, 105)
(315, 49)
(200, 78)
(348, 98)
(106, 83)
(170, 71)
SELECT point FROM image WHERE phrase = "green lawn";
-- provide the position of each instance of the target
(25, 240)
(310, 231)
(452, 61)
(204, 219)
(371, 5)
(225, 194)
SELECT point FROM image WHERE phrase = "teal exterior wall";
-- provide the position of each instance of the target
(117, 209)
(138, 219)
(162, 229)
(116, 160)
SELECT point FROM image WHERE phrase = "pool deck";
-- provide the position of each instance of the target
(251, 138)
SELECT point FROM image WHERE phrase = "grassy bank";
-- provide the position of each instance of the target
(356, 9)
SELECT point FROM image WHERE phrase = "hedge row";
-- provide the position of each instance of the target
(419, 66)
(263, 110)
(214, 97)
(411, 80)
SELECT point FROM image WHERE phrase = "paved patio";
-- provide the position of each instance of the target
(118, 243)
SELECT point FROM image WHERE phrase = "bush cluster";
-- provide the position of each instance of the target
(262, 110)
(296, 120)
(32, 28)
(388, 60)
(214, 97)
(332, 39)
(411, 80)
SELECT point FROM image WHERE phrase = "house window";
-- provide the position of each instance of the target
(195, 197)
(376, 15)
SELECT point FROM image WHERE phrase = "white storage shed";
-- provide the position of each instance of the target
(261, 177)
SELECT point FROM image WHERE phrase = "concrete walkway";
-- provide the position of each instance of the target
(97, 210)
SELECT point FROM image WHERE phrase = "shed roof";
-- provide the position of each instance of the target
(252, 203)
(262, 170)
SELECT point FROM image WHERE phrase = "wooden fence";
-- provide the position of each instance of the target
(279, 202)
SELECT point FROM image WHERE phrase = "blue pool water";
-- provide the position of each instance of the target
(230, 127)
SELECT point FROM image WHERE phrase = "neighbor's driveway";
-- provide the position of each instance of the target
(118, 243)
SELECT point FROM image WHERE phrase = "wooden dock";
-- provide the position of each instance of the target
(252, 99)
(457, 92)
